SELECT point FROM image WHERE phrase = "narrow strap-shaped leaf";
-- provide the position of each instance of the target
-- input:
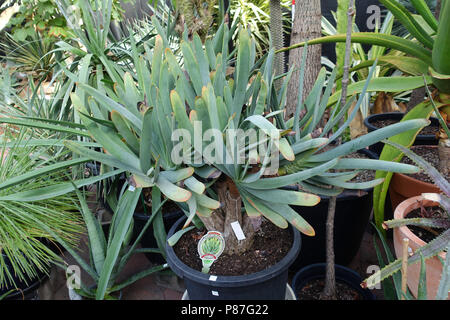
(278, 182)
(287, 197)
(407, 20)
(96, 237)
(349, 185)
(423, 9)
(42, 171)
(145, 145)
(177, 235)
(47, 126)
(159, 230)
(101, 157)
(444, 283)
(56, 190)
(422, 222)
(422, 287)
(128, 202)
(125, 131)
(369, 139)
(372, 164)
(384, 40)
(243, 66)
(427, 251)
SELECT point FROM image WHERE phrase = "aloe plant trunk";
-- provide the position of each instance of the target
(229, 212)
(307, 25)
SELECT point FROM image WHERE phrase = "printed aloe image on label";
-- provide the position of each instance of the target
(210, 247)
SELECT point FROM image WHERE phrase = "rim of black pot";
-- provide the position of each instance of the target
(397, 116)
(181, 268)
(168, 214)
(32, 285)
(353, 282)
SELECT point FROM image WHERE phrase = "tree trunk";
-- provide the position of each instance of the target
(307, 25)
(329, 292)
(276, 33)
(229, 212)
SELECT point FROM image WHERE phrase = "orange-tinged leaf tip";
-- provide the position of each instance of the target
(192, 114)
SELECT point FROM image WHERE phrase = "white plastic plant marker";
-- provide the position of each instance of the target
(209, 248)
(213, 278)
(239, 233)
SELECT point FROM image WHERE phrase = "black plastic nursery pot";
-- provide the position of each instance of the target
(352, 216)
(24, 289)
(421, 139)
(269, 284)
(148, 239)
(343, 275)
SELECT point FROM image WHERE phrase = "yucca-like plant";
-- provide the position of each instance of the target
(32, 56)
(24, 206)
(135, 124)
(439, 244)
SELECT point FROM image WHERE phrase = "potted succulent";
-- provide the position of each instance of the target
(427, 63)
(172, 100)
(109, 251)
(424, 222)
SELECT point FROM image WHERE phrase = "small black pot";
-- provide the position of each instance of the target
(24, 289)
(343, 274)
(269, 284)
(148, 239)
(351, 219)
(421, 139)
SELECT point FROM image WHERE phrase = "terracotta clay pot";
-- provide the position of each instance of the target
(433, 265)
(403, 187)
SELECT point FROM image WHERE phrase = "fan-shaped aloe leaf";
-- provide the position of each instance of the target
(293, 217)
(172, 191)
(287, 197)
(270, 214)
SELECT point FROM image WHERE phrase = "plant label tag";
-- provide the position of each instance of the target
(212, 278)
(209, 248)
(238, 230)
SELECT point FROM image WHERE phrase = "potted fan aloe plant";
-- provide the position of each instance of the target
(429, 241)
(427, 52)
(180, 125)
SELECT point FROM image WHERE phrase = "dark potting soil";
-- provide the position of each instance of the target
(430, 155)
(428, 234)
(271, 244)
(428, 130)
(363, 175)
(313, 289)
